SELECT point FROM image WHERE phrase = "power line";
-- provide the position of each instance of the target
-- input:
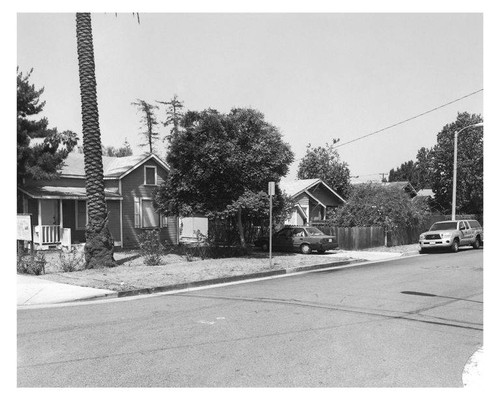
(409, 119)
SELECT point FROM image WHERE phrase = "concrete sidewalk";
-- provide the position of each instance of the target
(34, 290)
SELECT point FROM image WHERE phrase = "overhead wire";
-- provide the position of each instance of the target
(408, 119)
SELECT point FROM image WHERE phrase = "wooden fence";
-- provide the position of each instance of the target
(362, 237)
(355, 238)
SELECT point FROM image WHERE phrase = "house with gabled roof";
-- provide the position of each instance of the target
(312, 199)
(58, 207)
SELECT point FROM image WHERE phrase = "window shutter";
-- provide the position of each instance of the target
(137, 212)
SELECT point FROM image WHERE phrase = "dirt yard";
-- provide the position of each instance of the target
(131, 273)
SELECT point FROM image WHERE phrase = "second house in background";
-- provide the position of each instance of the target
(312, 199)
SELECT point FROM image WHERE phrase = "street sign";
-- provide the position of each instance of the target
(24, 227)
(271, 188)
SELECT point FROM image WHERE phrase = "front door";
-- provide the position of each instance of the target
(49, 212)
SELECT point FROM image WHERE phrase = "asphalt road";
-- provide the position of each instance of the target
(412, 322)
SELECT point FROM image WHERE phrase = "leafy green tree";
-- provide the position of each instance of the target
(418, 172)
(221, 164)
(324, 163)
(123, 151)
(45, 159)
(424, 168)
(373, 204)
(405, 172)
(99, 243)
(469, 165)
(149, 122)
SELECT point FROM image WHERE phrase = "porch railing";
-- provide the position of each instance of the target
(47, 234)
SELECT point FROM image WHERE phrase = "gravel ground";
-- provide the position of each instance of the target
(131, 273)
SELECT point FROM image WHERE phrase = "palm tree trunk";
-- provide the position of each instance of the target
(99, 242)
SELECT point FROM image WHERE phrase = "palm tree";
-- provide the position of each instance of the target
(99, 242)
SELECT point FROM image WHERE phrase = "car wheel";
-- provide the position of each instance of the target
(454, 246)
(265, 247)
(477, 243)
(321, 251)
(422, 251)
(305, 249)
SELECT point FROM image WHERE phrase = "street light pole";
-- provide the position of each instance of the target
(454, 194)
(271, 189)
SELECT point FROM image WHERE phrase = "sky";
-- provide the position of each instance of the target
(315, 76)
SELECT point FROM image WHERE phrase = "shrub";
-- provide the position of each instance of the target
(207, 247)
(151, 247)
(71, 261)
(376, 205)
(31, 264)
(21, 262)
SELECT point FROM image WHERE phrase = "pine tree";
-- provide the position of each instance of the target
(149, 122)
(44, 159)
(174, 113)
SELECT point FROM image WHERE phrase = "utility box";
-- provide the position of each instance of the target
(66, 238)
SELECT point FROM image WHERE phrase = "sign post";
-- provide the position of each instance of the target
(271, 191)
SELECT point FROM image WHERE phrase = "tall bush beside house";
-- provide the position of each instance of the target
(220, 166)
(377, 205)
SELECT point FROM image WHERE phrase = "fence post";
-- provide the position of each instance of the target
(388, 238)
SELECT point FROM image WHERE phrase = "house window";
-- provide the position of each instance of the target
(150, 175)
(145, 215)
(81, 214)
(150, 218)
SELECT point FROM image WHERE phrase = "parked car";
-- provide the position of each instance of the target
(299, 238)
(452, 235)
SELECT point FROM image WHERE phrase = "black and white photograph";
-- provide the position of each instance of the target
(286, 198)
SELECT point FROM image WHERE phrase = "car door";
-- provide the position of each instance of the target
(464, 238)
(298, 237)
(282, 238)
(469, 232)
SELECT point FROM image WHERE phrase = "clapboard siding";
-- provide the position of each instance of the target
(133, 186)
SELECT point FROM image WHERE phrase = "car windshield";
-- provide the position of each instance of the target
(314, 232)
(443, 226)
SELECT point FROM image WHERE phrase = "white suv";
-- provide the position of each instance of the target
(452, 235)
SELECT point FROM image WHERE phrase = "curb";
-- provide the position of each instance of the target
(410, 253)
(228, 279)
(215, 281)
